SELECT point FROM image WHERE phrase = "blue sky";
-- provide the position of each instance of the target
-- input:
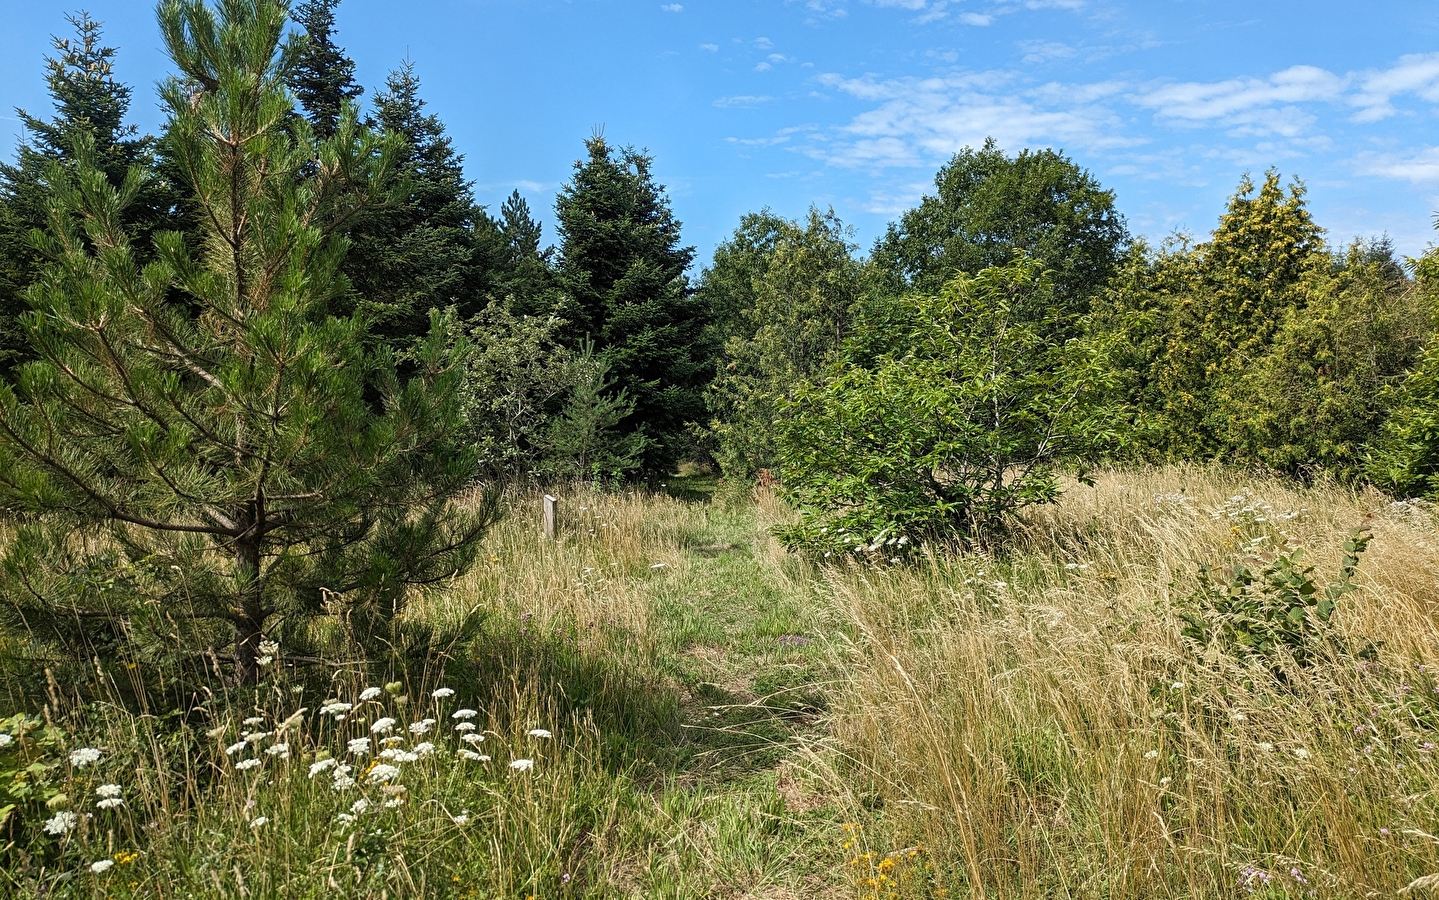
(855, 103)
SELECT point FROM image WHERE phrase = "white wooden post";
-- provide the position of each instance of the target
(552, 517)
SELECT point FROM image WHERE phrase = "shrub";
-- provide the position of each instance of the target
(972, 423)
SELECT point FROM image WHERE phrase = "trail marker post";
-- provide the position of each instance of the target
(552, 517)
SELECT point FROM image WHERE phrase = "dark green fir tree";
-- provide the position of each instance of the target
(323, 79)
(622, 279)
(87, 101)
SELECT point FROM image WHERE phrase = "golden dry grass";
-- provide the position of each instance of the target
(1039, 721)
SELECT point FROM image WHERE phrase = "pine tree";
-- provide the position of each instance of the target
(527, 280)
(323, 79)
(432, 246)
(88, 101)
(622, 277)
(204, 454)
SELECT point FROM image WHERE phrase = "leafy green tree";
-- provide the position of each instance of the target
(726, 287)
(946, 441)
(987, 204)
(587, 439)
(432, 246)
(621, 277)
(1318, 396)
(323, 77)
(222, 468)
(88, 102)
(804, 286)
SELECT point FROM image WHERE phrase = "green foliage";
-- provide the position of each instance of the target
(323, 78)
(789, 320)
(1323, 389)
(31, 781)
(1240, 286)
(203, 425)
(622, 282)
(430, 246)
(587, 440)
(986, 205)
(947, 441)
(88, 102)
(1253, 612)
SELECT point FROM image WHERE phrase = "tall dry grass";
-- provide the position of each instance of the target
(1038, 721)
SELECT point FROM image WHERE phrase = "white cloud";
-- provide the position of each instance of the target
(743, 101)
(712, 48)
(1417, 167)
(672, 7)
(1220, 100)
(1042, 51)
(1414, 74)
(976, 19)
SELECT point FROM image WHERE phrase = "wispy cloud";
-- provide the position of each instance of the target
(1416, 166)
(673, 7)
(742, 101)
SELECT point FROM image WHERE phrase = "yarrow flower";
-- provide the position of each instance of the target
(61, 822)
(382, 773)
(522, 765)
(84, 757)
(101, 866)
(359, 806)
(400, 756)
(392, 741)
(280, 750)
(244, 764)
(472, 738)
(540, 733)
(421, 726)
(109, 795)
(443, 693)
(465, 726)
(5, 740)
(255, 737)
(472, 756)
(369, 694)
(358, 745)
(336, 709)
(236, 748)
(381, 726)
(424, 748)
(321, 765)
(463, 714)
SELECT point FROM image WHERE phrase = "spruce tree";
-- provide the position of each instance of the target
(88, 101)
(623, 284)
(201, 431)
(527, 280)
(432, 246)
(323, 79)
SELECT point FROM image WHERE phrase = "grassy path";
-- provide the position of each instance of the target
(745, 644)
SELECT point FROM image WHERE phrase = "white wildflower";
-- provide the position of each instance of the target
(235, 748)
(1301, 753)
(522, 765)
(280, 750)
(540, 733)
(253, 721)
(369, 694)
(465, 726)
(1177, 686)
(321, 765)
(424, 748)
(1152, 754)
(5, 740)
(392, 741)
(107, 791)
(244, 764)
(383, 773)
(343, 782)
(358, 745)
(463, 714)
(472, 756)
(461, 819)
(61, 822)
(443, 693)
(421, 726)
(336, 709)
(256, 737)
(1266, 746)
(260, 822)
(345, 819)
(101, 866)
(394, 754)
(84, 757)
(472, 738)
(359, 806)
(109, 803)
(382, 726)
(396, 802)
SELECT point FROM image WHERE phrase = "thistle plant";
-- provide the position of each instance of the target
(204, 453)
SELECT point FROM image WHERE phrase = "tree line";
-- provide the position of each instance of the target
(253, 368)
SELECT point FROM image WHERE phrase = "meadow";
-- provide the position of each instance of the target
(664, 703)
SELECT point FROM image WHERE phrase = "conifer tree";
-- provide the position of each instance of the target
(527, 280)
(432, 246)
(622, 277)
(88, 101)
(323, 79)
(238, 459)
